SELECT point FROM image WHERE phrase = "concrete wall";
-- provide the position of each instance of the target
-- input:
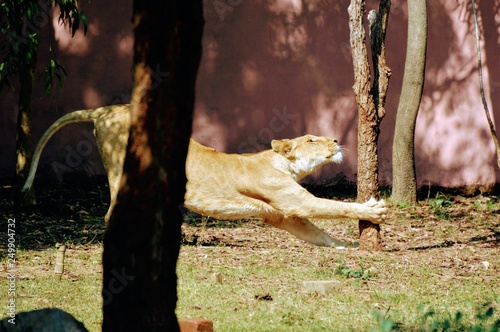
(282, 68)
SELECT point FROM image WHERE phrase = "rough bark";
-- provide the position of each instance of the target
(370, 101)
(141, 243)
(404, 182)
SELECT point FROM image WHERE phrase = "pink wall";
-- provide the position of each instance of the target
(276, 69)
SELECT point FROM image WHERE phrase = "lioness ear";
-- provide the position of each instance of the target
(283, 146)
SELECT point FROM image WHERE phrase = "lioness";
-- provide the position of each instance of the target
(235, 186)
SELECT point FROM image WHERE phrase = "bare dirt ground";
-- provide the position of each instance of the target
(72, 214)
(456, 238)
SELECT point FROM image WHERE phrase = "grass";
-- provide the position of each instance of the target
(398, 282)
(246, 276)
(77, 292)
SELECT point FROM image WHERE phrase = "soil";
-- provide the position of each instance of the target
(455, 237)
(72, 213)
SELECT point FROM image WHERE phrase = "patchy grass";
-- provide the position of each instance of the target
(441, 260)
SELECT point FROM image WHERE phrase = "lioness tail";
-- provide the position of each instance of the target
(73, 117)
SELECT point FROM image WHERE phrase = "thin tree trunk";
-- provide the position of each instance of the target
(370, 101)
(141, 243)
(24, 149)
(493, 133)
(404, 182)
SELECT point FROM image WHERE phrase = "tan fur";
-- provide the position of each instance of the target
(236, 186)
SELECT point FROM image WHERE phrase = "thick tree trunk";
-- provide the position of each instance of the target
(23, 138)
(370, 101)
(141, 243)
(404, 182)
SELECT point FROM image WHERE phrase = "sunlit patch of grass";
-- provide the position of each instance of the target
(247, 276)
(397, 281)
(431, 320)
(77, 292)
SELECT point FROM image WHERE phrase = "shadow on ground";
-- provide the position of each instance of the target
(72, 212)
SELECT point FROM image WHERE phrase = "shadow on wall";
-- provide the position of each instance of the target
(275, 69)
(260, 62)
(281, 68)
(453, 141)
(99, 73)
(285, 62)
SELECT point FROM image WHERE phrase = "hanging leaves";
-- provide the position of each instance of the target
(53, 70)
(21, 22)
(71, 15)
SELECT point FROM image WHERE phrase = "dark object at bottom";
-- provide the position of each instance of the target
(43, 320)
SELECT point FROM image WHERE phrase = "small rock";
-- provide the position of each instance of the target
(486, 265)
(217, 278)
(196, 325)
(322, 287)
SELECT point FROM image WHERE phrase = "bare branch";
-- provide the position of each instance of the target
(481, 85)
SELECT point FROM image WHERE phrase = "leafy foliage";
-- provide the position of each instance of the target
(440, 205)
(353, 273)
(384, 322)
(431, 322)
(21, 22)
(54, 68)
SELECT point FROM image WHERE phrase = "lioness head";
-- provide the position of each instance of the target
(309, 151)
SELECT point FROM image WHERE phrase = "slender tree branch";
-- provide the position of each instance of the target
(481, 84)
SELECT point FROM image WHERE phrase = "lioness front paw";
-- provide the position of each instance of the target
(377, 210)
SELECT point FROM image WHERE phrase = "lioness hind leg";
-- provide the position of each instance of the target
(303, 229)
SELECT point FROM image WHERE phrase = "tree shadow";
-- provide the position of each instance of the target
(71, 214)
(455, 121)
(278, 69)
(270, 70)
(492, 240)
(267, 56)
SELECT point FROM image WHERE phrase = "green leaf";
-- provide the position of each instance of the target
(428, 314)
(495, 327)
(489, 312)
(85, 23)
(62, 69)
(48, 87)
(75, 27)
(387, 325)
